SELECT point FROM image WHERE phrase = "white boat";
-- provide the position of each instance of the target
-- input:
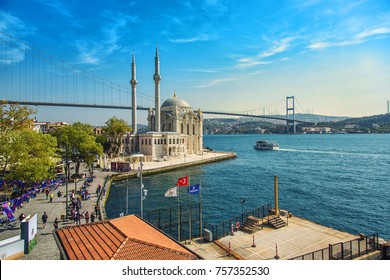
(264, 145)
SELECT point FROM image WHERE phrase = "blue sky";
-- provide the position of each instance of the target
(334, 56)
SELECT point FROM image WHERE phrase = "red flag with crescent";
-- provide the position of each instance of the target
(182, 182)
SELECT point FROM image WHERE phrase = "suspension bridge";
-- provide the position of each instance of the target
(29, 76)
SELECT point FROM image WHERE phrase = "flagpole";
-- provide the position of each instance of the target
(189, 209)
(200, 214)
(178, 213)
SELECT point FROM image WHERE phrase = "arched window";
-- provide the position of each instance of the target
(193, 129)
(182, 128)
(188, 129)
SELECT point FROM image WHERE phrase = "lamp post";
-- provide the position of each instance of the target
(242, 201)
(127, 197)
(143, 193)
(66, 189)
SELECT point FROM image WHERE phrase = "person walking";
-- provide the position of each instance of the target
(51, 197)
(78, 217)
(98, 190)
(47, 193)
(86, 216)
(59, 195)
(92, 217)
(44, 219)
(55, 224)
(22, 217)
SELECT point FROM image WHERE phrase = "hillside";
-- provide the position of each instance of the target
(369, 124)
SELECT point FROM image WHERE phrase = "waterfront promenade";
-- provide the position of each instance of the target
(46, 248)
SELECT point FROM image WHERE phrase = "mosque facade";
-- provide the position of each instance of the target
(174, 129)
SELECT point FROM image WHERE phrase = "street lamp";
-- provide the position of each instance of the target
(66, 189)
(127, 197)
(242, 201)
(143, 193)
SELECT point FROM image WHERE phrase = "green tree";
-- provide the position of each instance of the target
(77, 143)
(31, 156)
(103, 140)
(24, 154)
(14, 117)
(115, 129)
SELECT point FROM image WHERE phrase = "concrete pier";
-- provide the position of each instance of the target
(154, 167)
(299, 237)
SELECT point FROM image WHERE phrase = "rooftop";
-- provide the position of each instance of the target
(124, 238)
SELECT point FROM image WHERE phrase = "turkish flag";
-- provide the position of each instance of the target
(182, 182)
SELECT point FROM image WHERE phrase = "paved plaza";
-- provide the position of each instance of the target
(46, 248)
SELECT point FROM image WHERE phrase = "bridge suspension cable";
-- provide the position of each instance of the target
(47, 78)
(32, 76)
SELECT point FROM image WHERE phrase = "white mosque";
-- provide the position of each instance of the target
(175, 130)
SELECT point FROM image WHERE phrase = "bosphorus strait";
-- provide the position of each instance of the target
(340, 181)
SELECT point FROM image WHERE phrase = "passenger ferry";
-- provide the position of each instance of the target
(264, 145)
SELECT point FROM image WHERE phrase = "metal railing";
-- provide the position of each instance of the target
(224, 228)
(345, 250)
(98, 206)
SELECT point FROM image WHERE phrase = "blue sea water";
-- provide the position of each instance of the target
(341, 181)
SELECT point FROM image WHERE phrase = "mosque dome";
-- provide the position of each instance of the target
(175, 101)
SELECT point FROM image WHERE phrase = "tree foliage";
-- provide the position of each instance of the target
(115, 129)
(14, 117)
(24, 153)
(31, 156)
(77, 143)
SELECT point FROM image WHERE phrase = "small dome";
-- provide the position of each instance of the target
(175, 101)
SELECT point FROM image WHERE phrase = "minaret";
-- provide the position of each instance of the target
(157, 79)
(133, 83)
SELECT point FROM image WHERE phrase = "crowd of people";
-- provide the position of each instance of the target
(50, 188)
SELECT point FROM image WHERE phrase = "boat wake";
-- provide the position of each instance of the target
(334, 153)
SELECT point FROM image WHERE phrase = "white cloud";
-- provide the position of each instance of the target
(201, 70)
(357, 39)
(58, 6)
(250, 62)
(214, 8)
(11, 28)
(216, 82)
(14, 25)
(185, 3)
(199, 38)
(92, 51)
(279, 47)
(372, 32)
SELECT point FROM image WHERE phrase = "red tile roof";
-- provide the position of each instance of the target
(124, 238)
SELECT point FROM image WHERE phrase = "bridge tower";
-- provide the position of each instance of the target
(290, 107)
(133, 83)
(157, 79)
